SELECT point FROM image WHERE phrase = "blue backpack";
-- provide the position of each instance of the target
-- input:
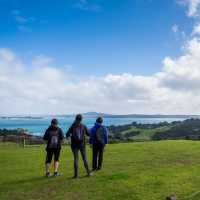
(100, 135)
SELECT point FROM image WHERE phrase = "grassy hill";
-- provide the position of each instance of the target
(137, 171)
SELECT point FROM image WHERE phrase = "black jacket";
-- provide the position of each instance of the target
(47, 136)
(70, 132)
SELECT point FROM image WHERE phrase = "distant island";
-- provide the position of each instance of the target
(105, 115)
(139, 115)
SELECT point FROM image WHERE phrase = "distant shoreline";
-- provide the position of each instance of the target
(95, 114)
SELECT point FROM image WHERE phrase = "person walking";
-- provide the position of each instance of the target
(54, 137)
(78, 132)
(98, 140)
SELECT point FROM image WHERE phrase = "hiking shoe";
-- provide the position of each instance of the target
(90, 174)
(57, 174)
(48, 174)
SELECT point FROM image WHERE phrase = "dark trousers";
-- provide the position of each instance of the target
(97, 156)
(75, 151)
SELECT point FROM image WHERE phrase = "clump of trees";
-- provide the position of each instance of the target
(188, 129)
(20, 136)
(17, 132)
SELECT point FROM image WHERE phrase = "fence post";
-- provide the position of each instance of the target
(24, 141)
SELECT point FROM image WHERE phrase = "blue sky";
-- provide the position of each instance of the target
(95, 37)
(111, 56)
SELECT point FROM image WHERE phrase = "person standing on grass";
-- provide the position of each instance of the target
(54, 137)
(98, 140)
(78, 132)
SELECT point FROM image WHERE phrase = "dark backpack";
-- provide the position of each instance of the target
(54, 139)
(100, 135)
(78, 134)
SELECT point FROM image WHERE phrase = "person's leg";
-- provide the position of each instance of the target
(94, 157)
(56, 161)
(100, 159)
(75, 153)
(48, 161)
(84, 157)
(56, 165)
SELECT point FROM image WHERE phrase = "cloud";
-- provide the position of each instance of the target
(86, 5)
(21, 20)
(196, 29)
(42, 87)
(175, 28)
(178, 33)
(46, 88)
(24, 23)
(193, 7)
(41, 60)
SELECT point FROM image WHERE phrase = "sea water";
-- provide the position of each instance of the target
(37, 126)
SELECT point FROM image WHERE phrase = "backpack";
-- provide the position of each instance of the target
(54, 138)
(100, 135)
(78, 134)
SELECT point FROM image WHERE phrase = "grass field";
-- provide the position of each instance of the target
(137, 171)
(145, 134)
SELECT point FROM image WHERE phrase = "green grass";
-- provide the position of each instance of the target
(145, 134)
(136, 171)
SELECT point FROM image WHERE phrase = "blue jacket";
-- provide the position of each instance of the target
(93, 139)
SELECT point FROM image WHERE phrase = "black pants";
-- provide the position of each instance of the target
(97, 156)
(51, 153)
(75, 150)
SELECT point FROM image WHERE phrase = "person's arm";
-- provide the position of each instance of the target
(106, 135)
(46, 135)
(61, 134)
(69, 132)
(91, 136)
(87, 131)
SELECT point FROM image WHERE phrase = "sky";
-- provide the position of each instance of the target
(112, 56)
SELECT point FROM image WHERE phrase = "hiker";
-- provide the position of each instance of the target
(54, 137)
(98, 140)
(78, 132)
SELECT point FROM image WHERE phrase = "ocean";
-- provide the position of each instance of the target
(37, 126)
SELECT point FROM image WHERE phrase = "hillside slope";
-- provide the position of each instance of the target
(137, 171)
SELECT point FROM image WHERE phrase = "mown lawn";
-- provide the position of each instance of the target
(137, 171)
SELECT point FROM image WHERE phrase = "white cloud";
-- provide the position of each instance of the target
(6, 55)
(24, 23)
(47, 89)
(196, 29)
(193, 7)
(41, 60)
(85, 5)
(175, 28)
